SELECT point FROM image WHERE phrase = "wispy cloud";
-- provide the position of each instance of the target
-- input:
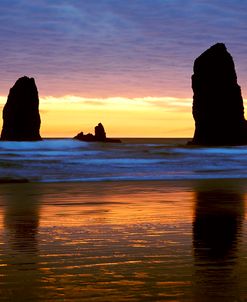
(116, 47)
(165, 104)
(168, 104)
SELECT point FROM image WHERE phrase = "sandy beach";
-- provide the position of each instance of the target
(124, 241)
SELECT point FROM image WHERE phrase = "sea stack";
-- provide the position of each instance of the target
(99, 136)
(217, 102)
(21, 119)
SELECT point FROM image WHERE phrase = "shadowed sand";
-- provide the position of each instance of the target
(125, 241)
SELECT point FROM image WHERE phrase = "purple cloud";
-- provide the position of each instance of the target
(116, 47)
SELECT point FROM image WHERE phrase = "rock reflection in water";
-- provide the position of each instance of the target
(217, 227)
(21, 222)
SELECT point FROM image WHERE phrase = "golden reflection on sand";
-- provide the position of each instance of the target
(109, 205)
(140, 241)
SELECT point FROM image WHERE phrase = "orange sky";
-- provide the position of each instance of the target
(122, 117)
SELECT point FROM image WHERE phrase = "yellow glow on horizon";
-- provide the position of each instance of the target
(122, 117)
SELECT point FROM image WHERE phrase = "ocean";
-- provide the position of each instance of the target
(67, 160)
(144, 220)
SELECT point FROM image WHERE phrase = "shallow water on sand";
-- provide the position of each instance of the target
(124, 241)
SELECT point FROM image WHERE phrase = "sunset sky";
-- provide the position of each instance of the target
(125, 63)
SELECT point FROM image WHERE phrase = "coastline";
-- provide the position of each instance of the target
(91, 182)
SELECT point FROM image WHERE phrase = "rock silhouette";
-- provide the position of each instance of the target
(21, 119)
(217, 102)
(99, 136)
(218, 219)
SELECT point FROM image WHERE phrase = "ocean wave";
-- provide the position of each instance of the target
(44, 145)
(70, 160)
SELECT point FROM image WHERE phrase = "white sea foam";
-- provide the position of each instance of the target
(66, 160)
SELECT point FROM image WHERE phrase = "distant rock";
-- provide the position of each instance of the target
(21, 119)
(217, 102)
(99, 136)
(85, 137)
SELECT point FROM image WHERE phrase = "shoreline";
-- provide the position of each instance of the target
(128, 187)
(4, 181)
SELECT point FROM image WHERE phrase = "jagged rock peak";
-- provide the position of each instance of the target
(217, 102)
(21, 119)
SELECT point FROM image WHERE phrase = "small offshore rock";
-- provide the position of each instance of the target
(99, 136)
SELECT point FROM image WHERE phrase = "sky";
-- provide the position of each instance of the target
(125, 63)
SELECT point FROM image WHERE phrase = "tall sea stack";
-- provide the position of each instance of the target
(217, 102)
(21, 119)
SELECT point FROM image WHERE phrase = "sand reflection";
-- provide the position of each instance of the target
(106, 242)
(20, 204)
(121, 241)
(217, 228)
(117, 241)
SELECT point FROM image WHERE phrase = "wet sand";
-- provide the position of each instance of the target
(124, 241)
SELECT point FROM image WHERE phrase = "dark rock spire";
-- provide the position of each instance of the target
(217, 102)
(21, 119)
(100, 134)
